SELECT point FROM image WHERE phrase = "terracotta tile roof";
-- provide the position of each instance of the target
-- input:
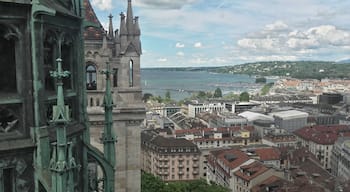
(251, 171)
(266, 154)
(92, 33)
(271, 183)
(323, 134)
(233, 158)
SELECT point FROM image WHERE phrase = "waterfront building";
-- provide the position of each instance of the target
(121, 49)
(279, 99)
(169, 158)
(194, 109)
(319, 140)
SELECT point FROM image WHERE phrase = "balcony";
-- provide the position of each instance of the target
(180, 165)
(180, 158)
(195, 165)
(181, 172)
(195, 158)
(195, 172)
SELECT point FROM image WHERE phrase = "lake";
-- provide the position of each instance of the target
(182, 84)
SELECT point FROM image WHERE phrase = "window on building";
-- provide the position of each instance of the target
(67, 61)
(7, 181)
(131, 73)
(91, 77)
(115, 77)
(50, 49)
(8, 82)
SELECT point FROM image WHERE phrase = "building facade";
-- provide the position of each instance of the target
(121, 49)
(170, 159)
(340, 159)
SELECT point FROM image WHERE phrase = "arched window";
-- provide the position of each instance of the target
(8, 82)
(91, 77)
(131, 73)
(115, 77)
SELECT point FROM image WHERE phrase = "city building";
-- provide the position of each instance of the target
(194, 109)
(278, 99)
(319, 140)
(280, 140)
(213, 138)
(340, 158)
(330, 98)
(250, 175)
(239, 107)
(223, 163)
(121, 49)
(290, 120)
(169, 158)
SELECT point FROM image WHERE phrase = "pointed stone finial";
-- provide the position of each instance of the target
(137, 26)
(123, 30)
(110, 29)
(60, 110)
(129, 19)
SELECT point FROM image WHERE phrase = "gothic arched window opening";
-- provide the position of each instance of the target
(91, 77)
(131, 73)
(8, 82)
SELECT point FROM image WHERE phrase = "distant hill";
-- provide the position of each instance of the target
(295, 69)
(343, 61)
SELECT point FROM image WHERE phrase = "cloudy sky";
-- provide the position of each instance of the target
(229, 32)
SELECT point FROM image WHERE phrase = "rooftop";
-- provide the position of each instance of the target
(290, 114)
(251, 171)
(323, 134)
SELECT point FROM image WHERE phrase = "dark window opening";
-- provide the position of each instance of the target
(115, 78)
(91, 77)
(131, 73)
(8, 181)
(8, 81)
(49, 62)
(67, 65)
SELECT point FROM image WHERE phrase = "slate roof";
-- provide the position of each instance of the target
(92, 33)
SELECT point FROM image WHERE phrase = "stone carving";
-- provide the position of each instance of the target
(8, 120)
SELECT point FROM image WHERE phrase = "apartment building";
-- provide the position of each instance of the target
(169, 158)
(211, 138)
(340, 159)
(319, 140)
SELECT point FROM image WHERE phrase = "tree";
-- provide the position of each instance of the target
(146, 97)
(201, 95)
(217, 93)
(260, 80)
(150, 183)
(244, 96)
(167, 96)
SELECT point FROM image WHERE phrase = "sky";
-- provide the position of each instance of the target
(193, 33)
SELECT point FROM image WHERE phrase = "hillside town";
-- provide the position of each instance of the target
(295, 138)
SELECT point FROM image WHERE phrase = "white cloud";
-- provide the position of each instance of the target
(197, 45)
(267, 43)
(277, 26)
(163, 4)
(162, 60)
(180, 54)
(268, 58)
(179, 45)
(102, 4)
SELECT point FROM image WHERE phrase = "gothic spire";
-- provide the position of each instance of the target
(110, 28)
(130, 19)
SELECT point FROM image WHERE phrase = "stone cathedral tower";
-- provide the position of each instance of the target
(121, 49)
